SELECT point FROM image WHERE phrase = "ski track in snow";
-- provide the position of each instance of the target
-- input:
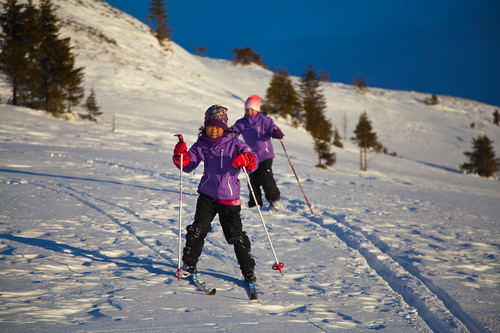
(405, 279)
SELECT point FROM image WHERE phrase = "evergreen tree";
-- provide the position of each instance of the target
(360, 84)
(325, 157)
(433, 100)
(482, 159)
(324, 76)
(32, 80)
(57, 63)
(14, 45)
(496, 118)
(200, 51)
(337, 142)
(281, 97)
(314, 104)
(366, 139)
(159, 17)
(73, 91)
(92, 107)
(247, 56)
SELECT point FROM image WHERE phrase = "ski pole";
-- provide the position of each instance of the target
(298, 181)
(278, 265)
(181, 139)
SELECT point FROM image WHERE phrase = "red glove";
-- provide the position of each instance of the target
(180, 149)
(246, 160)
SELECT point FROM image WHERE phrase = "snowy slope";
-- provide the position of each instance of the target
(89, 218)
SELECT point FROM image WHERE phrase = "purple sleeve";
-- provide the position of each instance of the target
(269, 125)
(237, 128)
(195, 156)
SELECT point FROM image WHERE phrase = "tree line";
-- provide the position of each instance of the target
(306, 107)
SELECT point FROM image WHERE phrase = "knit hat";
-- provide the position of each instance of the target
(253, 102)
(216, 115)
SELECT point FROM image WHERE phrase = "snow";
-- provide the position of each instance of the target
(89, 217)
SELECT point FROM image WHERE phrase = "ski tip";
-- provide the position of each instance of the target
(212, 292)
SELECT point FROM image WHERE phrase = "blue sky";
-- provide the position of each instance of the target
(441, 47)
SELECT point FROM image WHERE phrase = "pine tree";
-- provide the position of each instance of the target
(60, 81)
(73, 91)
(314, 104)
(366, 139)
(92, 107)
(32, 81)
(14, 46)
(337, 142)
(360, 84)
(281, 97)
(496, 118)
(325, 157)
(482, 159)
(324, 76)
(433, 100)
(247, 56)
(200, 51)
(158, 15)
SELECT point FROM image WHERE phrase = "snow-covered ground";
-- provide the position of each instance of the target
(89, 218)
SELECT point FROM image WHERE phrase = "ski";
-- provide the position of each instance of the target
(252, 292)
(193, 278)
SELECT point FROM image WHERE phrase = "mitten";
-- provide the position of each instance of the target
(277, 133)
(241, 160)
(180, 150)
(246, 160)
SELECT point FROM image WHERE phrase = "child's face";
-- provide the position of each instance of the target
(214, 132)
(251, 112)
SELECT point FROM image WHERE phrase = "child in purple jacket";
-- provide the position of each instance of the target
(257, 130)
(223, 155)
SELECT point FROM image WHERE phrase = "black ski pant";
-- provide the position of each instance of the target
(263, 176)
(230, 220)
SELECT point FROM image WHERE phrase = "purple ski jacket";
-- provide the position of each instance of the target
(220, 179)
(257, 132)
